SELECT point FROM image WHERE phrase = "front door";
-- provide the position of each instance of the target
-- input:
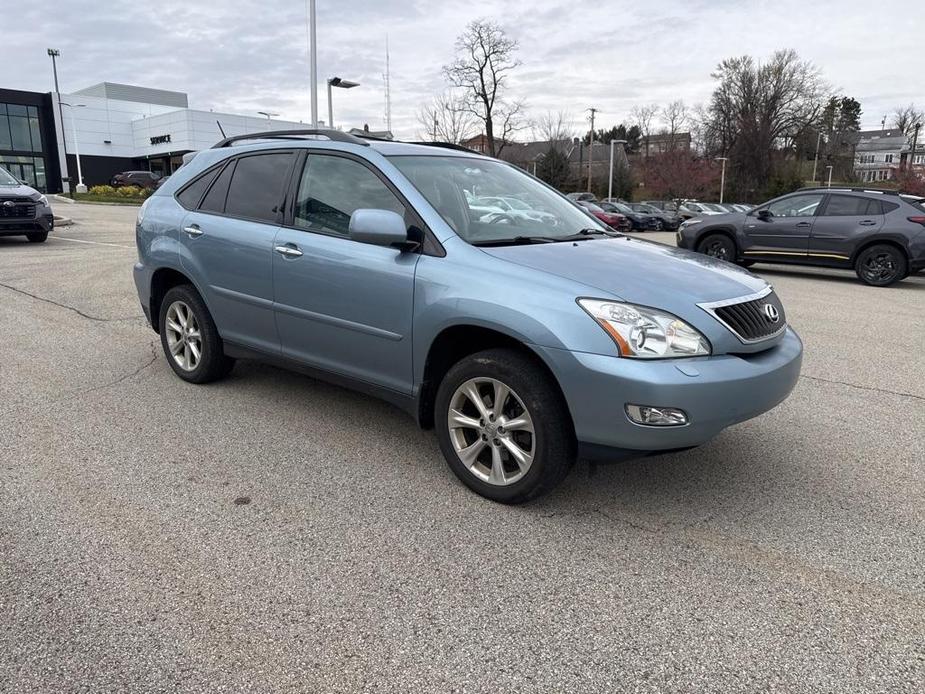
(343, 306)
(843, 221)
(784, 231)
(227, 247)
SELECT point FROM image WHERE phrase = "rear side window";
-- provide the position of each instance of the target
(256, 189)
(215, 198)
(851, 206)
(190, 196)
(889, 207)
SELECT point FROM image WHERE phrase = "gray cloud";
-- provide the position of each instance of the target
(244, 56)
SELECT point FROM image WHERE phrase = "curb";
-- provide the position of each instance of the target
(63, 221)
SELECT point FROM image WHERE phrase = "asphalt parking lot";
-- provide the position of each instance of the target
(274, 533)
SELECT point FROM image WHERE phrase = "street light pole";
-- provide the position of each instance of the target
(816, 159)
(313, 61)
(55, 53)
(267, 114)
(80, 187)
(829, 167)
(722, 178)
(622, 143)
(343, 84)
(591, 147)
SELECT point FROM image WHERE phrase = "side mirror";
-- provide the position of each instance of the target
(764, 215)
(378, 228)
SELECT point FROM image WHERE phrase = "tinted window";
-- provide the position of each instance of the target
(256, 188)
(850, 206)
(332, 188)
(215, 198)
(190, 196)
(796, 206)
(888, 206)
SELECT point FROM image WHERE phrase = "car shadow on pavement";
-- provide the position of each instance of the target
(831, 275)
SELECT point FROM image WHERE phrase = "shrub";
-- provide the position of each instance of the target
(102, 190)
(132, 192)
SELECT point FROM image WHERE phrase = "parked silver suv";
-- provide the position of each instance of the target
(24, 211)
(525, 343)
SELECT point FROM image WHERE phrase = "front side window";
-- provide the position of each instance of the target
(332, 188)
(795, 206)
(256, 189)
(454, 186)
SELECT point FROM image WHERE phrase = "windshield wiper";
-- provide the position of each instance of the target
(523, 240)
(589, 231)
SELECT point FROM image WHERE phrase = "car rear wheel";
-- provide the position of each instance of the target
(189, 337)
(503, 426)
(718, 246)
(38, 237)
(659, 225)
(881, 265)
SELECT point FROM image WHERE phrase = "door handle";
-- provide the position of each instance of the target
(868, 223)
(193, 230)
(803, 224)
(288, 251)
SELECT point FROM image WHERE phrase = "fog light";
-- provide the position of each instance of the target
(656, 416)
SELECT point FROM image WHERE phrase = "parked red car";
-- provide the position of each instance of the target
(612, 219)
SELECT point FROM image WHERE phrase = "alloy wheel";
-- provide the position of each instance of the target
(717, 249)
(491, 431)
(879, 267)
(184, 338)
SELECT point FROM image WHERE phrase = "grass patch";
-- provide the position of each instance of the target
(120, 199)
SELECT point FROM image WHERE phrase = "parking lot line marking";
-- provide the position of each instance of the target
(94, 243)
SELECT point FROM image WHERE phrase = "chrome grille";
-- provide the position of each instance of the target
(751, 318)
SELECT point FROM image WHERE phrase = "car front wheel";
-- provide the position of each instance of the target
(881, 265)
(189, 337)
(718, 246)
(503, 426)
(37, 237)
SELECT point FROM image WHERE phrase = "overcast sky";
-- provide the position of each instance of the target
(241, 56)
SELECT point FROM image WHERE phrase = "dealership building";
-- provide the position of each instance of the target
(113, 128)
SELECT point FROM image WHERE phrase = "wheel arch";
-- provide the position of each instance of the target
(727, 231)
(880, 241)
(456, 342)
(163, 280)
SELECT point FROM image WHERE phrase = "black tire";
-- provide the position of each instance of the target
(213, 364)
(718, 246)
(745, 263)
(659, 225)
(881, 265)
(37, 237)
(552, 443)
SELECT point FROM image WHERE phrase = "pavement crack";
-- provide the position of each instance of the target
(65, 306)
(854, 385)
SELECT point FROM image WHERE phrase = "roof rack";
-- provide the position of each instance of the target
(884, 191)
(445, 145)
(335, 135)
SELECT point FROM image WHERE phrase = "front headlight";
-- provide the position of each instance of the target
(41, 200)
(690, 222)
(646, 333)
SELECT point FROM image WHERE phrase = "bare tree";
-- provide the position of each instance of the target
(905, 118)
(484, 61)
(554, 127)
(675, 117)
(446, 119)
(642, 117)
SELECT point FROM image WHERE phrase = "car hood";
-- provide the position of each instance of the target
(17, 192)
(638, 271)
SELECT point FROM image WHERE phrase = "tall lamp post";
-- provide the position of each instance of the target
(816, 158)
(80, 187)
(591, 146)
(722, 178)
(342, 84)
(313, 61)
(268, 114)
(829, 167)
(65, 179)
(622, 144)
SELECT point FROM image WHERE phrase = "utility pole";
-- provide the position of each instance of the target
(436, 123)
(722, 178)
(591, 147)
(816, 159)
(313, 61)
(65, 186)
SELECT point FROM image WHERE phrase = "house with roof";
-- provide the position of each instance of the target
(880, 154)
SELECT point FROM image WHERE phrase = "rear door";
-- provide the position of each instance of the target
(227, 246)
(785, 232)
(344, 306)
(845, 220)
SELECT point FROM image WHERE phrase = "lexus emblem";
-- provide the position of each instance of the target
(9, 203)
(771, 313)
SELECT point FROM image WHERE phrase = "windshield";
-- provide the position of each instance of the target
(6, 178)
(454, 186)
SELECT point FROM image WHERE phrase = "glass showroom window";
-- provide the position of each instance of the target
(19, 128)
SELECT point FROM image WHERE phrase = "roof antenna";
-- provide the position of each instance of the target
(220, 128)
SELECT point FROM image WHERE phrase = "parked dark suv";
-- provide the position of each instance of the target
(23, 210)
(141, 179)
(880, 234)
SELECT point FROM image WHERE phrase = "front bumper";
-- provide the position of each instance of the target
(17, 226)
(715, 392)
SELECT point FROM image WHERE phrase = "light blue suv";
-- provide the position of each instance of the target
(525, 341)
